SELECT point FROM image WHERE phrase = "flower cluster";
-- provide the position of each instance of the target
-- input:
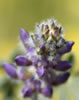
(40, 66)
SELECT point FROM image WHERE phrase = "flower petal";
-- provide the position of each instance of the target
(23, 35)
(47, 91)
(41, 71)
(37, 85)
(66, 48)
(22, 60)
(27, 91)
(63, 66)
(10, 69)
(62, 78)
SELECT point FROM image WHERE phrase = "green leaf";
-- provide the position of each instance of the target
(71, 58)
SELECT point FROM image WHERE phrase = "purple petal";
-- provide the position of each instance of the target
(21, 74)
(47, 91)
(29, 81)
(67, 48)
(23, 35)
(22, 60)
(41, 71)
(69, 45)
(49, 77)
(37, 85)
(42, 46)
(10, 69)
(30, 50)
(62, 78)
(26, 39)
(27, 91)
(63, 66)
(44, 61)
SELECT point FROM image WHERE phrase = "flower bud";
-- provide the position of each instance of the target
(66, 48)
(27, 91)
(41, 71)
(63, 66)
(22, 61)
(62, 78)
(47, 91)
(23, 35)
(10, 69)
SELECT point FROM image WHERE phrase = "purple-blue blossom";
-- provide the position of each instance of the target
(27, 91)
(38, 67)
(47, 91)
(41, 71)
(11, 70)
(22, 61)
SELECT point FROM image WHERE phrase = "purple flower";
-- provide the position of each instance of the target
(23, 35)
(50, 77)
(29, 81)
(22, 61)
(37, 68)
(47, 91)
(21, 74)
(10, 69)
(63, 66)
(41, 71)
(67, 48)
(62, 78)
(37, 85)
(69, 45)
(27, 91)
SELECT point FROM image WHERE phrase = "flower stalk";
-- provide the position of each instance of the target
(35, 96)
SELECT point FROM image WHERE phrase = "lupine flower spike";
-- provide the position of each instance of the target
(44, 49)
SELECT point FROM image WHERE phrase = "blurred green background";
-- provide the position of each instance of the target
(16, 14)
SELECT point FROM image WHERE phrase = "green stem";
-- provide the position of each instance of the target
(35, 96)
